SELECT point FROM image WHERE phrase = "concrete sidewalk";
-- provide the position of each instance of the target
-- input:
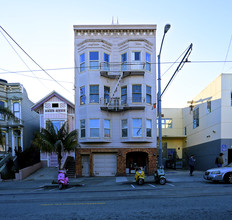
(172, 176)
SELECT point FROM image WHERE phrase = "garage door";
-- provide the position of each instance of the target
(104, 164)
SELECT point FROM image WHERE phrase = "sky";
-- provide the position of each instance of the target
(44, 30)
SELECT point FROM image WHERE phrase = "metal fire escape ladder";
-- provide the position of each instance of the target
(115, 88)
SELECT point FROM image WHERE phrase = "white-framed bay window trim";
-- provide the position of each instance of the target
(137, 127)
(107, 128)
(94, 126)
(82, 128)
(94, 93)
(93, 60)
(136, 60)
(148, 128)
(82, 62)
(124, 128)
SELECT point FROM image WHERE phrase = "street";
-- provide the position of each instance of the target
(109, 198)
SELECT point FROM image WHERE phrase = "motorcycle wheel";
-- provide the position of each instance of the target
(162, 181)
(141, 181)
(60, 186)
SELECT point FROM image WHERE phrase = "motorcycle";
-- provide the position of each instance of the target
(62, 179)
(159, 176)
(139, 176)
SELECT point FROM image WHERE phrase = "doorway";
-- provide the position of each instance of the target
(85, 165)
(136, 159)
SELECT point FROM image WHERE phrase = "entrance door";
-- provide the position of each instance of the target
(85, 165)
(229, 156)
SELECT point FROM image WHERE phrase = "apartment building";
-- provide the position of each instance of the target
(58, 110)
(115, 89)
(20, 133)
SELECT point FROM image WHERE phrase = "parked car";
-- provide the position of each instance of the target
(219, 174)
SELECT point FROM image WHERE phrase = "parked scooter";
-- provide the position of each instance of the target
(62, 179)
(159, 176)
(139, 176)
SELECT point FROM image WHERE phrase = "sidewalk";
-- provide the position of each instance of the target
(173, 176)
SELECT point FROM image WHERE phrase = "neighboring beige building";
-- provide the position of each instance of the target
(115, 88)
(208, 123)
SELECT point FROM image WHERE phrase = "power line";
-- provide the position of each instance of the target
(33, 59)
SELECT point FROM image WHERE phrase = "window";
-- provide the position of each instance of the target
(82, 62)
(16, 109)
(106, 128)
(195, 117)
(165, 123)
(3, 141)
(82, 95)
(124, 95)
(55, 105)
(136, 57)
(94, 128)
(57, 124)
(94, 94)
(106, 94)
(136, 93)
(148, 94)
(106, 61)
(82, 128)
(2, 105)
(137, 127)
(231, 98)
(124, 128)
(148, 127)
(148, 62)
(208, 106)
(94, 60)
(124, 61)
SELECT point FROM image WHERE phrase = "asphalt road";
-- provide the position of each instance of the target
(109, 199)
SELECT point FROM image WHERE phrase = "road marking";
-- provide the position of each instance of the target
(170, 184)
(132, 186)
(61, 204)
(152, 185)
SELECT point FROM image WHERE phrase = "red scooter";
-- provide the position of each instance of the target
(62, 179)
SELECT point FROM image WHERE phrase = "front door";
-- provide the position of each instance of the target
(229, 156)
(85, 165)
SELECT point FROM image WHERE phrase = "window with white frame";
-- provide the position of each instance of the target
(165, 123)
(82, 128)
(148, 127)
(106, 61)
(106, 94)
(124, 61)
(124, 95)
(136, 60)
(82, 62)
(2, 105)
(57, 124)
(148, 94)
(136, 93)
(124, 128)
(137, 127)
(106, 128)
(208, 106)
(16, 109)
(196, 118)
(94, 60)
(82, 95)
(148, 62)
(94, 128)
(94, 93)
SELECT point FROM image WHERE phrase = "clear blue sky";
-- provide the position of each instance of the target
(44, 29)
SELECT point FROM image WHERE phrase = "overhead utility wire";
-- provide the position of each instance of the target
(33, 59)
(20, 72)
(22, 60)
(227, 52)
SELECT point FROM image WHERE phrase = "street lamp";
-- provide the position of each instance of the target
(166, 28)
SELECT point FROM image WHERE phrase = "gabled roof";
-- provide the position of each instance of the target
(49, 96)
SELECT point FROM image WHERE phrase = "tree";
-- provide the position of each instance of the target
(50, 140)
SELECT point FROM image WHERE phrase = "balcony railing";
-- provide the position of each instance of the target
(112, 70)
(117, 104)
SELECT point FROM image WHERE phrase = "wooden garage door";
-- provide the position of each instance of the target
(105, 164)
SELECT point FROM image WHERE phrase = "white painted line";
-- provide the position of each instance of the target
(132, 186)
(69, 189)
(152, 185)
(170, 184)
